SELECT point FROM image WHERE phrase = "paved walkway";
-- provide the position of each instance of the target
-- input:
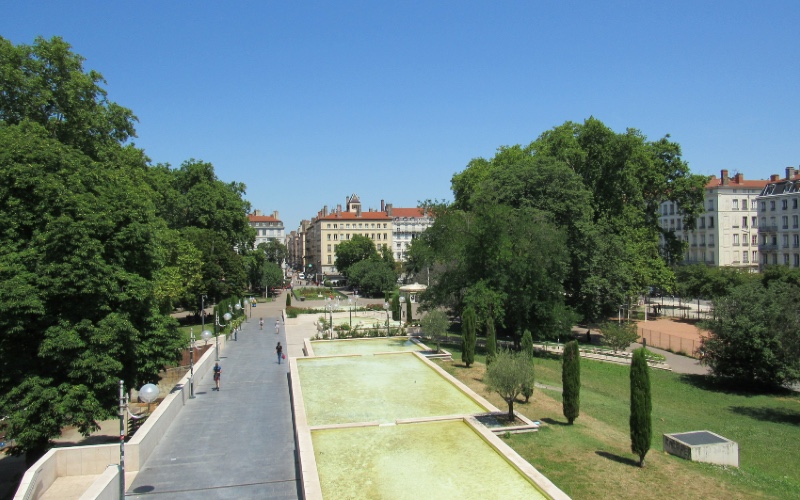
(237, 443)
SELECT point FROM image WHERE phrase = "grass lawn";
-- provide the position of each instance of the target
(592, 458)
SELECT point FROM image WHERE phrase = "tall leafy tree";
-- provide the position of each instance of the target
(352, 251)
(468, 333)
(491, 342)
(274, 250)
(571, 381)
(641, 425)
(435, 324)
(372, 277)
(79, 252)
(754, 337)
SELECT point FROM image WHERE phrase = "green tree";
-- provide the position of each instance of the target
(468, 321)
(275, 251)
(754, 340)
(372, 277)
(508, 375)
(527, 343)
(272, 277)
(45, 83)
(289, 299)
(641, 406)
(78, 309)
(395, 302)
(353, 251)
(491, 342)
(435, 324)
(571, 381)
(619, 336)
(409, 310)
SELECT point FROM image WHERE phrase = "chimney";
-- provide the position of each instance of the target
(257, 213)
(389, 209)
(738, 178)
(275, 214)
(325, 211)
(774, 177)
(358, 210)
(725, 179)
(789, 173)
(339, 207)
(383, 208)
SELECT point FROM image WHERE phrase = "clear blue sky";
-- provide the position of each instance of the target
(307, 102)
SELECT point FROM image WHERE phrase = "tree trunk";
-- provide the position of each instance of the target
(511, 416)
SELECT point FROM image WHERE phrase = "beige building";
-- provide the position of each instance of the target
(779, 217)
(296, 244)
(329, 229)
(726, 234)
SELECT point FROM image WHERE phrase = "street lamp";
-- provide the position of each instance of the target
(148, 393)
(386, 308)
(329, 308)
(191, 363)
(350, 305)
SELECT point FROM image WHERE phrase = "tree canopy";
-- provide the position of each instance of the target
(353, 251)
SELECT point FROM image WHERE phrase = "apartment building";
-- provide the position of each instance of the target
(726, 234)
(408, 223)
(328, 229)
(296, 245)
(268, 227)
(779, 217)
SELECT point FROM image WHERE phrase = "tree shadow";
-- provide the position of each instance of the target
(618, 459)
(550, 421)
(776, 415)
(734, 387)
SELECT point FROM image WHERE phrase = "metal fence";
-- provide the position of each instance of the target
(677, 307)
(669, 342)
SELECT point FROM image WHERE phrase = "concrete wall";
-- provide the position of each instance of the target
(96, 460)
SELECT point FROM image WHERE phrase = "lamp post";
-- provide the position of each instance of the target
(148, 393)
(329, 308)
(386, 308)
(402, 303)
(191, 363)
(350, 304)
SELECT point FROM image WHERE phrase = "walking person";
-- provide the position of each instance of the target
(279, 352)
(217, 374)
(260, 323)
(277, 327)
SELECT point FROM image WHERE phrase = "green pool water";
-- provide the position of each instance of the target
(413, 461)
(377, 388)
(363, 346)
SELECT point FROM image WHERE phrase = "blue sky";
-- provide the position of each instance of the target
(308, 102)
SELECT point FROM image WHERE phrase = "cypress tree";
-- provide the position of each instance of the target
(289, 299)
(408, 310)
(491, 342)
(395, 307)
(571, 381)
(527, 343)
(640, 423)
(468, 320)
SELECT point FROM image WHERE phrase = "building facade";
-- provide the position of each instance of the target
(329, 229)
(727, 233)
(779, 217)
(408, 224)
(268, 227)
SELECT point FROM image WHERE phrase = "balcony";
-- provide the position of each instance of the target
(768, 229)
(736, 243)
(767, 248)
(711, 244)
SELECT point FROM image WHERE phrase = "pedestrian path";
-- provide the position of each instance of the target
(237, 443)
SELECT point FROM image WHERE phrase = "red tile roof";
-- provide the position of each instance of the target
(714, 182)
(352, 216)
(262, 218)
(407, 212)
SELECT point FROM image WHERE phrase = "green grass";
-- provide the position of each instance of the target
(582, 459)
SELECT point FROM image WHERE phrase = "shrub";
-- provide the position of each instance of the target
(508, 375)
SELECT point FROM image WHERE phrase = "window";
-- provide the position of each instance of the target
(772, 207)
(753, 205)
(711, 222)
(794, 203)
(754, 221)
(786, 259)
(744, 204)
(672, 223)
(797, 260)
(796, 240)
(735, 204)
(763, 206)
(335, 237)
(785, 221)
(347, 226)
(744, 257)
(744, 222)
(703, 240)
(754, 240)
(329, 248)
(784, 204)
(679, 224)
(336, 226)
(701, 223)
(710, 205)
(794, 221)
(329, 259)
(672, 209)
(785, 240)
(329, 226)
(736, 240)
(755, 256)
(329, 237)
